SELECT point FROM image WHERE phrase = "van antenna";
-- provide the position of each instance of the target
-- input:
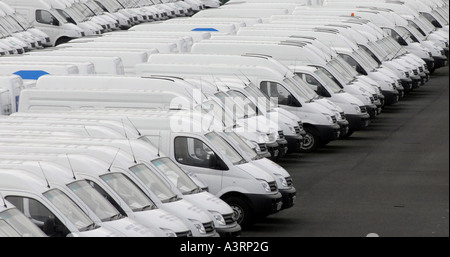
(132, 124)
(84, 126)
(124, 130)
(3, 199)
(245, 76)
(159, 143)
(132, 152)
(48, 184)
(109, 168)
(129, 142)
(71, 168)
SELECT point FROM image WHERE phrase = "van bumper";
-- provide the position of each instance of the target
(273, 150)
(265, 205)
(439, 61)
(407, 84)
(329, 133)
(234, 231)
(416, 81)
(344, 128)
(282, 148)
(358, 121)
(390, 97)
(294, 143)
(289, 196)
(429, 62)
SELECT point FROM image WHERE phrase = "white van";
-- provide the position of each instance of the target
(186, 186)
(84, 67)
(14, 84)
(264, 14)
(27, 40)
(47, 19)
(151, 218)
(181, 43)
(392, 24)
(108, 163)
(188, 40)
(13, 223)
(10, 44)
(102, 65)
(388, 84)
(125, 19)
(102, 212)
(161, 47)
(143, 31)
(34, 71)
(129, 57)
(44, 39)
(161, 93)
(106, 22)
(319, 122)
(5, 102)
(50, 209)
(222, 28)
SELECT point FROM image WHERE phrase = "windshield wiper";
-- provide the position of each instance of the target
(150, 206)
(92, 226)
(115, 217)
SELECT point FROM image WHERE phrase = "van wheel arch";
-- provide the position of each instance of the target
(241, 207)
(62, 40)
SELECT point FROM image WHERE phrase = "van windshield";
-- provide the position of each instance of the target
(301, 89)
(243, 146)
(153, 182)
(225, 148)
(176, 175)
(69, 209)
(84, 9)
(234, 109)
(13, 224)
(95, 201)
(329, 83)
(131, 194)
(259, 96)
(13, 24)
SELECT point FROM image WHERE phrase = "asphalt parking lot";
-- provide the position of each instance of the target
(391, 179)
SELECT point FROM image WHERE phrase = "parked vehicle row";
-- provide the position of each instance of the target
(174, 127)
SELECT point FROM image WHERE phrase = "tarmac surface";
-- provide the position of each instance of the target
(391, 179)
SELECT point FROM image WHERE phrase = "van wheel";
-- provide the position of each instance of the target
(241, 210)
(311, 140)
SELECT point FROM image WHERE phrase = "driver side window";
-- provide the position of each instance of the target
(40, 216)
(193, 152)
(278, 91)
(46, 17)
(314, 84)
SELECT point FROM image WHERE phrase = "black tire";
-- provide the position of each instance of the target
(62, 40)
(311, 141)
(241, 210)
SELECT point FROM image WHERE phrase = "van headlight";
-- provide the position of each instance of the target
(199, 226)
(282, 180)
(357, 109)
(218, 217)
(263, 137)
(292, 130)
(330, 120)
(169, 233)
(265, 185)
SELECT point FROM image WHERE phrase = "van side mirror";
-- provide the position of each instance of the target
(49, 227)
(401, 41)
(55, 22)
(360, 70)
(216, 163)
(436, 24)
